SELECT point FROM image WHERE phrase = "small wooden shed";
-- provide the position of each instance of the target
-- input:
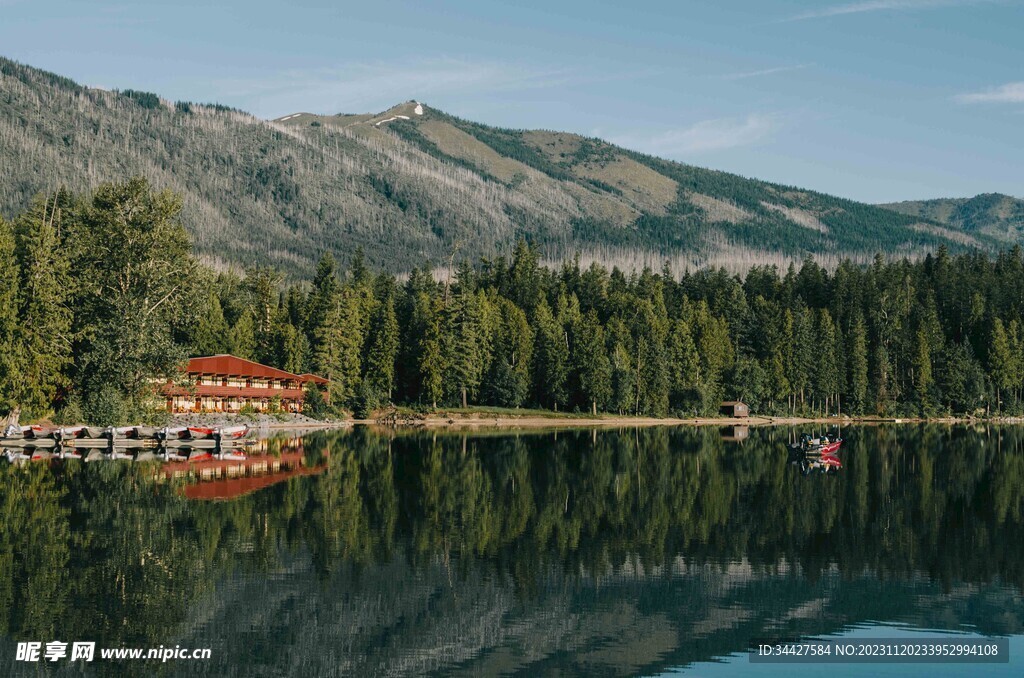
(734, 408)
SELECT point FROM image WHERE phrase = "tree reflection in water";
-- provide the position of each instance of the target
(583, 551)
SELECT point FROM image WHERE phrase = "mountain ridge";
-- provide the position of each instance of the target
(409, 187)
(995, 214)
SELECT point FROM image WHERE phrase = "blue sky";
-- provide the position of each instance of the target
(876, 100)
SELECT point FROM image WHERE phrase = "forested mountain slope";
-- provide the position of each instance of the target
(1000, 216)
(410, 184)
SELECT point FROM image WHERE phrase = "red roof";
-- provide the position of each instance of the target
(236, 487)
(229, 365)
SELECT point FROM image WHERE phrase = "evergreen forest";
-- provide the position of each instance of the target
(102, 301)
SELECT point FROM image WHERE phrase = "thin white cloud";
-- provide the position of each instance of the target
(880, 6)
(358, 88)
(705, 136)
(1010, 93)
(765, 71)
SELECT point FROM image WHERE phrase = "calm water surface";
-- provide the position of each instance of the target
(621, 552)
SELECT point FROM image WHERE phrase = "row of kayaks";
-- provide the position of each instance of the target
(166, 454)
(125, 433)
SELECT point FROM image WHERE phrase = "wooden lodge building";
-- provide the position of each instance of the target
(227, 383)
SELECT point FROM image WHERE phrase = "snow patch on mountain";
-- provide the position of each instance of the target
(393, 117)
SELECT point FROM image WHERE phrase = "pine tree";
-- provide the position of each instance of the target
(858, 366)
(288, 344)
(43, 340)
(509, 379)
(750, 382)
(623, 372)
(961, 379)
(569, 318)
(551, 356)
(683, 364)
(825, 377)
(803, 353)
(592, 363)
(882, 381)
(382, 349)
(1017, 344)
(261, 287)
(9, 280)
(322, 300)
(464, 345)
(336, 347)
(921, 366)
(323, 321)
(1002, 361)
(715, 351)
(524, 280)
(242, 337)
(349, 334)
(778, 389)
(650, 361)
(431, 349)
(325, 350)
(210, 336)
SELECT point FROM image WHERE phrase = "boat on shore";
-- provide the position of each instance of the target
(136, 432)
(233, 432)
(218, 432)
(202, 432)
(40, 432)
(172, 433)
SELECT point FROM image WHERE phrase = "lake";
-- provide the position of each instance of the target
(589, 552)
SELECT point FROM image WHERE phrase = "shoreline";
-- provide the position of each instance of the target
(533, 421)
(502, 421)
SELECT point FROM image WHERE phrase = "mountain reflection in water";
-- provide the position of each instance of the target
(607, 552)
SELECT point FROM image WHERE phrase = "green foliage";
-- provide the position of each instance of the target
(314, 404)
(366, 401)
(9, 306)
(1004, 360)
(105, 407)
(551, 357)
(508, 383)
(211, 335)
(101, 301)
(592, 363)
(382, 350)
(42, 349)
(140, 276)
(71, 413)
(144, 99)
(858, 385)
(241, 339)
